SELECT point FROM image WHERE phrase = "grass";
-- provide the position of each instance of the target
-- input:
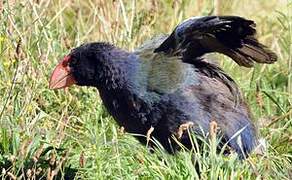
(68, 134)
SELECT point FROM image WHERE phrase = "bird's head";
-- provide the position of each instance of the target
(81, 66)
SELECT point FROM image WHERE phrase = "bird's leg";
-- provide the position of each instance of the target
(148, 134)
(182, 128)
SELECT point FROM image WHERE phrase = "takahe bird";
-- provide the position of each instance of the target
(165, 86)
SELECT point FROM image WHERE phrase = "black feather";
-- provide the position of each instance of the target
(230, 35)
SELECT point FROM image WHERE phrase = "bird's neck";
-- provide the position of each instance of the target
(120, 92)
(111, 72)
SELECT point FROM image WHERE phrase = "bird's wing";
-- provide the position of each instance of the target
(230, 35)
(166, 73)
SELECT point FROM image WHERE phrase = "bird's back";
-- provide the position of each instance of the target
(198, 93)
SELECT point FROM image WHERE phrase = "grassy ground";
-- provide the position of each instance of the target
(45, 133)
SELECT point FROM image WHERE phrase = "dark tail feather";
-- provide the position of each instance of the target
(250, 52)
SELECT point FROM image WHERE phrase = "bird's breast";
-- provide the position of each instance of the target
(127, 109)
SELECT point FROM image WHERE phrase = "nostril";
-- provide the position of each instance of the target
(65, 61)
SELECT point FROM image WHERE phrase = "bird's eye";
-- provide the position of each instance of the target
(73, 61)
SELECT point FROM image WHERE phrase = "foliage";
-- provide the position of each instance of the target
(54, 134)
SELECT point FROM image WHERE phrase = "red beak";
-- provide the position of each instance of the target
(62, 76)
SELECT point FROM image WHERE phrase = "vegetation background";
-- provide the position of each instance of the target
(68, 133)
